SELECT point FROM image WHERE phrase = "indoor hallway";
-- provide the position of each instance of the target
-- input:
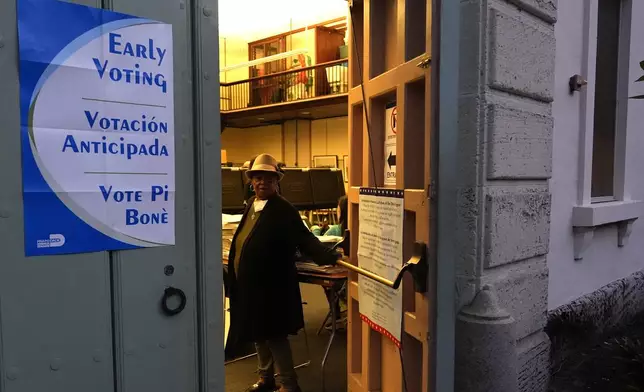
(240, 375)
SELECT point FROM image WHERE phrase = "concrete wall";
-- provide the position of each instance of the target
(242, 144)
(506, 87)
(603, 261)
(233, 50)
(295, 143)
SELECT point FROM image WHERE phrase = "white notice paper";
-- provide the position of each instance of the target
(380, 251)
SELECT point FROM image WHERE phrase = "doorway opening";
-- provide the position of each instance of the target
(284, 91)
(338, 93)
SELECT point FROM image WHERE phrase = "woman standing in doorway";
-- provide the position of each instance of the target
(265, 299)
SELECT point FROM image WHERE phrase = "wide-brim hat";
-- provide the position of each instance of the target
(264, 163)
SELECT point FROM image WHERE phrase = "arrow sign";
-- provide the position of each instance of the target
(391, 161)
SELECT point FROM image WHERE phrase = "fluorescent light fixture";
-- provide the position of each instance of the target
(274, 57)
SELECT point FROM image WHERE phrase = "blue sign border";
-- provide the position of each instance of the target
(49, 31)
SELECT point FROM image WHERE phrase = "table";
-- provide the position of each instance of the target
(333, 279)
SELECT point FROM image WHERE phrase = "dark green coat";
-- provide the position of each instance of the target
(265, 299)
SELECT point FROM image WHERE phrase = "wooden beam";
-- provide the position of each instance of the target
(387, 81)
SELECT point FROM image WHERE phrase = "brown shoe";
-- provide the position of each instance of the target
(263, 385)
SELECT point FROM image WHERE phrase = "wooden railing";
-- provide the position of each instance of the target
(302, 83)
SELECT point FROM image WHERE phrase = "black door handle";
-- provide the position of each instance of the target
(417, 265)
(169, 293)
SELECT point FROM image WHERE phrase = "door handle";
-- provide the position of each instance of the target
(169, 293)
(417, 265)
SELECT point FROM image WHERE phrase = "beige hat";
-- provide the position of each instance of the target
(264, 163)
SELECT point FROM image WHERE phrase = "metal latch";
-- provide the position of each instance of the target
(424, 63)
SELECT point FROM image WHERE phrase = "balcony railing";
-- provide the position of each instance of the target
(317, 81)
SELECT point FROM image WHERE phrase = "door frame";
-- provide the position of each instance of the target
(443, 154)
(445, 80)
(207, 133)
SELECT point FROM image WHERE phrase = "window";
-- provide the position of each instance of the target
(603, 197)
(266, 49)
(606, 94)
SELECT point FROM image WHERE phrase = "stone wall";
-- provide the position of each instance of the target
(507, 52)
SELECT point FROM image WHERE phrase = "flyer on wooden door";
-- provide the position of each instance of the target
(97, 129)
(380, 251)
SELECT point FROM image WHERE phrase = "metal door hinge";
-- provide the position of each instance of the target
(431, 190)
(424, 63)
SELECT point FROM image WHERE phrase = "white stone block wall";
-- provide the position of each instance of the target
(507, 58)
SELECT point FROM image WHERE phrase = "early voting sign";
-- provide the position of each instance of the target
(97, 124)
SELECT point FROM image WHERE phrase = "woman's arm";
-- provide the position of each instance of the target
(308, 244)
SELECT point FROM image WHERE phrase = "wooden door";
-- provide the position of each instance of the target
(390, 42)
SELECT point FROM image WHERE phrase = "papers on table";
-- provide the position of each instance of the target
(227, 219)
(307, 266)
(329, 239)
